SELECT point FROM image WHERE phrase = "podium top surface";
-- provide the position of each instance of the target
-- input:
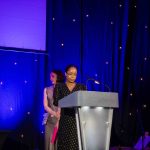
(90, 98)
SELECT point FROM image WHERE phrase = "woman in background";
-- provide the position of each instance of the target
(52, 117)
(67, 132)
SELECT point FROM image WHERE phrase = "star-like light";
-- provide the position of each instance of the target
(146, 26)
(25, 81)
(87, 15)
(120, 5)
(106, 62)
(141, 79)
(131, 94)
(96, 75)
(128, 68)
(111, 22)
(28, 113)
(15, 63)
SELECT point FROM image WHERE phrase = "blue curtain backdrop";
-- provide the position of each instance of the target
(108, 40)
(22, 80)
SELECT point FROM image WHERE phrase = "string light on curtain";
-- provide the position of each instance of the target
(111, 22)
(141, 79)
(28, 113)
(106, 62)
(131, 94)
(87, 15)
(96, 75)
(146, 26)
(22, 136)
(15, 63)
(25, 81)
(120, 5)
(128, 68)
(130, 114)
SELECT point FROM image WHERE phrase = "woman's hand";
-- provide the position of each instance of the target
(57, 115)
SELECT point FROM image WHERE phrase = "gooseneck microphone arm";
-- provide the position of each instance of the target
(89, 79)
(106, 86)
(97, 82)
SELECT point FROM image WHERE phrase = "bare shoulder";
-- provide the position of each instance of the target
(48, 89)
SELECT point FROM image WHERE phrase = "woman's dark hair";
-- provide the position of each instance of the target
(60, 76)
(70, 66)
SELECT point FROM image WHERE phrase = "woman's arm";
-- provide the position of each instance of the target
(47, 108)
(57, 94)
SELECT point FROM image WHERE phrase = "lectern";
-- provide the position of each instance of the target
(94, 112)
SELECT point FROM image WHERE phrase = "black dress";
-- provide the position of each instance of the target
(67, 133)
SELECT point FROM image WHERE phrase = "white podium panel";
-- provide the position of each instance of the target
(94, 112)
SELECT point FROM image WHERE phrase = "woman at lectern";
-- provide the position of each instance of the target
(67, 133)
(51, 118)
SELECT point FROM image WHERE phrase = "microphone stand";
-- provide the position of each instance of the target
(105, 85)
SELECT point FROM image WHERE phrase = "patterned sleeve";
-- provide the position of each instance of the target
(57, 94)
(83, 87)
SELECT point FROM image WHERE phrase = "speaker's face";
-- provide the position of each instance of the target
(71, 75)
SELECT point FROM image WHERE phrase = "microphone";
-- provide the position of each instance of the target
(97, 82)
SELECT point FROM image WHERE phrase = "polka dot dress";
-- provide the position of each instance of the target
(67, 134)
